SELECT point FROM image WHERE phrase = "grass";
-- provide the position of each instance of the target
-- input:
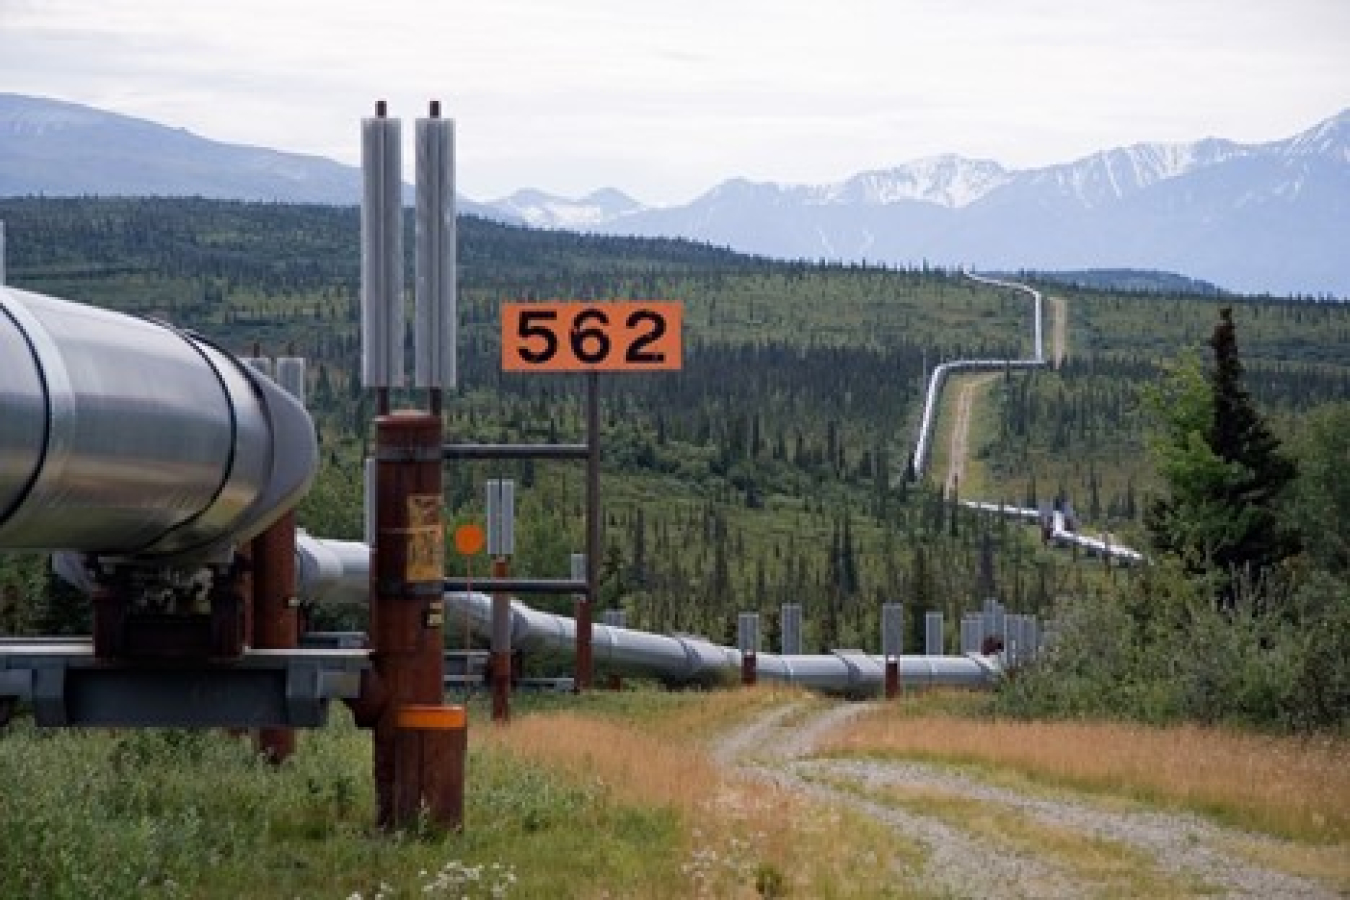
(1290, 787)
(1330, 863)
(598, 796)
(616, 795)
(743, 837)
(974, 481)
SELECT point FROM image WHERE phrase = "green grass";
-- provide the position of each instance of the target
(603, 795)
(194, 814)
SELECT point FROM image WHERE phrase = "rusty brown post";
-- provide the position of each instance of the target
(275, 619)
(243, 555)
(110, 614)
(501, 652)
(431, 741)
(749, 669)
(406, 625)
(892, 678)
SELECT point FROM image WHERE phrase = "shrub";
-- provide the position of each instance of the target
(1155, 651)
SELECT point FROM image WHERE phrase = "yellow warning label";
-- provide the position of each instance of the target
(426, 548)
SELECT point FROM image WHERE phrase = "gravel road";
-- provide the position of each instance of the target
(1184, 854)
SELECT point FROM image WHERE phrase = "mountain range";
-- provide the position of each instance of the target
(58, 149)
(1256, 218)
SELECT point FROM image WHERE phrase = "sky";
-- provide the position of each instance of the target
(664, 100)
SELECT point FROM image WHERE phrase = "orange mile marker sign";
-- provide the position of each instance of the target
(631, 335)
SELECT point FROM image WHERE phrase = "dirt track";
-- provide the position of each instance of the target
(1139, 852)
(959, 442)
(1059, 331)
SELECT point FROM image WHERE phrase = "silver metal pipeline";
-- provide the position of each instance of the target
(332, 572)
(1061, 533)
(938, 378)
(125, 437)
(688, 660)
(338, 571)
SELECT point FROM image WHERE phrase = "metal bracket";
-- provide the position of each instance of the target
(68, 686)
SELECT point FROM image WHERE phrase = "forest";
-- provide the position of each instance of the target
(774, 466)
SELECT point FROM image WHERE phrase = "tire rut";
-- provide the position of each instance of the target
(777, 748)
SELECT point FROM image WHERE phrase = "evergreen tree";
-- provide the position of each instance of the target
(1263, 474)
(1226, 478)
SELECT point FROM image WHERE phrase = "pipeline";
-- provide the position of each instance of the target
(680, 660)
(338, 572)
(1058, 530)
(938, 378)
(126, 437)
(936, 381)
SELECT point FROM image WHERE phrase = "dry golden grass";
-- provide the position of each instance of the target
(1296, 788)
(634, 766)
(738, 830)
(706, 714)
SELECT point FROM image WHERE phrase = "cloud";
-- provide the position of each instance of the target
(675, 97)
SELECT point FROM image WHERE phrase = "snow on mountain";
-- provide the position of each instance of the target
(1113, 175)
(948, 180)
(544, 210)
(1251, 217)
(1330, 139)
(1266, 217)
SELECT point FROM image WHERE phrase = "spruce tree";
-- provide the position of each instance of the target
(1261, 473)
(1226, 478)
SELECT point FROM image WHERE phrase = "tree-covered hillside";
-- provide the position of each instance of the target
(771, 468)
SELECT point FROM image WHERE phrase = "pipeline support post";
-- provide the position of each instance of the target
(501, 647)
(584, 665)
(747, 641)
(425, 769)
(892, 645)
(274, 620)
(431, 745)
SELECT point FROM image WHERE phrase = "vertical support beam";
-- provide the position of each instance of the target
(932, 633)
(892, 678)
(593, 536)
(406, 623)
(892, 645)
(790, 629)
(434, 742)
(243, 556)
(225, 631)
(747, 640)
(501, 647)
(275, 618)
(110, 621)
(749, 669)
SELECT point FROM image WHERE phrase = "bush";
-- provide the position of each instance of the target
(1320, 695)
(1157, 651)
